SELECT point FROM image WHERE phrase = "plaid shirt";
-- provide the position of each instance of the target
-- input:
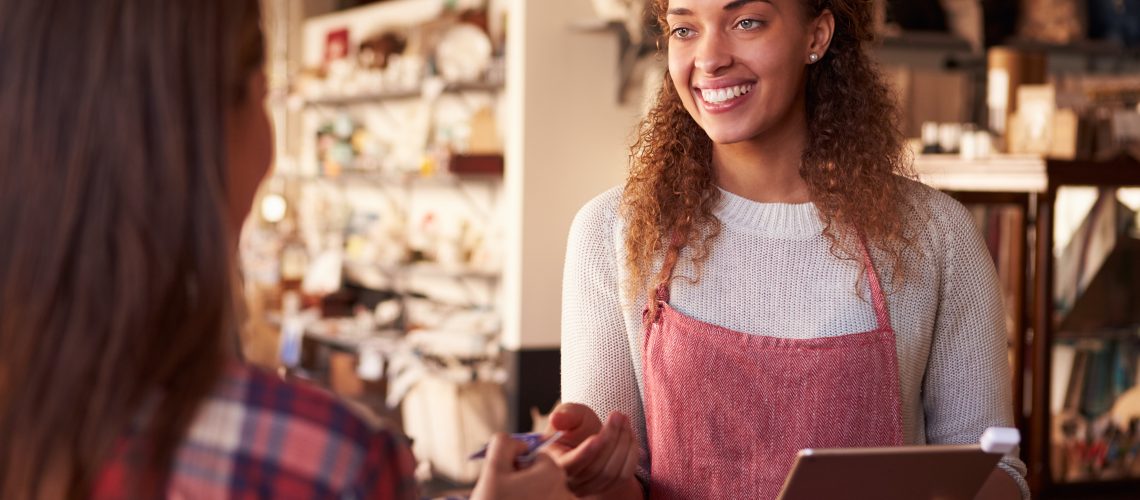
(257, 436)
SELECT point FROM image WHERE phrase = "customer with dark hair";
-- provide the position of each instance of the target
(132, 141)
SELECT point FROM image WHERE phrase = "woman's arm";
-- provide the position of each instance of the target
(598, 363)
(967, 386)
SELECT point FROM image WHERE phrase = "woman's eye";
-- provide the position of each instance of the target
(748, 24)
(682, 32)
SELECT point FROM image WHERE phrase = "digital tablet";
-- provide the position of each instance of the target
(944, 472)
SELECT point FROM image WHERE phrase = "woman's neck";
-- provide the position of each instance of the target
(767, 168)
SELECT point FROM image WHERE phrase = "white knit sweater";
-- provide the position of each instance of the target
(771, 272)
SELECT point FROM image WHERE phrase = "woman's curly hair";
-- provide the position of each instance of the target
(855, 162)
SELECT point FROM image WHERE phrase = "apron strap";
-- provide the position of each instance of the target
(882, 314)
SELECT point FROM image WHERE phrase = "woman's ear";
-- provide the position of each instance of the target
(820, 31)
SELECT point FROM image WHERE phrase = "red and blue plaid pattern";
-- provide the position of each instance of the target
(260, 437)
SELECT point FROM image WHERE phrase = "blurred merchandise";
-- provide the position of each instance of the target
(1031, 127)
(450, 387)
(1115, 20)
(629, 13)
(463, 53)
(1097, 268)
(1095, 433)
(1052, 21)
(1009, 68)
(930, 138)
(375, 52)
(292, 329)
(294, 261)
(949, 137)
(917, 15)
(964, 18)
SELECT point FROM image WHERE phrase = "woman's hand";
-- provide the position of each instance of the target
(596, 458)
(500, 480)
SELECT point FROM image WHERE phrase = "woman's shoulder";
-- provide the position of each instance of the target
(603, 209)
(934, 212)
(599, 218)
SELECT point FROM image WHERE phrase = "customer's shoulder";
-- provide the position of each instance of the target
(261, 392)
(275, 429)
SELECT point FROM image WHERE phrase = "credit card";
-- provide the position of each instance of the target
(533, 440)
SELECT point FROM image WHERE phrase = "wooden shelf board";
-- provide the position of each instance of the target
(397, 95)
(997, 174)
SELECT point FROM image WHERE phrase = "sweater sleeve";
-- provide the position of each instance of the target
(598, 362)
(967, 386)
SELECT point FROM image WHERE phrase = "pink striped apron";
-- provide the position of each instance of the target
(726, 411)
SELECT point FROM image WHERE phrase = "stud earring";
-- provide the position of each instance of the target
(813, 57)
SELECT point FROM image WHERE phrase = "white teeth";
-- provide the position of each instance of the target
(717, 96)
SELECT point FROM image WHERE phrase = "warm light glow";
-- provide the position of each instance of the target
(273, 208)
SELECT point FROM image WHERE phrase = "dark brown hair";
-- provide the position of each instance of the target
(116, 295)
(855, 162)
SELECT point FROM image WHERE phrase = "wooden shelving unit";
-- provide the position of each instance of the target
(1034, 183)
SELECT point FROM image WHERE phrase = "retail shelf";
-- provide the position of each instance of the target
(385, 340)
(397, 179)
(925, 40)
(1006, 173)
(433, 270)
(396, 95)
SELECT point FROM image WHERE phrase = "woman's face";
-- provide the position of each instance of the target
(250, 148)
(739, 65)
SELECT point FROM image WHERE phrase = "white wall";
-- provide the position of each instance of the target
(567, 142)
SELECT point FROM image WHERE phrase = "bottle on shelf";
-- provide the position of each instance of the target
(292, 330)
(294, 261)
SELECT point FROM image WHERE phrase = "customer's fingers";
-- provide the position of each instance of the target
(544, 471)
(610, 464)
(610, 437)
(502, 452)
(577, 459)
(632, 458)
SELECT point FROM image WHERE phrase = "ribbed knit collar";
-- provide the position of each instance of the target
(779, 220)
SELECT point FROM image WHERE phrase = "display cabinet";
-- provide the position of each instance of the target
(1075, 312)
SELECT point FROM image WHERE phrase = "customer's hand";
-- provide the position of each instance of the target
(596, 458)
(500, 480)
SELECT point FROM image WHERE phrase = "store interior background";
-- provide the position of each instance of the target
(406, 251)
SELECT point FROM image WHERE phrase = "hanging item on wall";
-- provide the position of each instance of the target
(631, 13)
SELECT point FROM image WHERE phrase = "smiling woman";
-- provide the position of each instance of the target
(826, 300)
